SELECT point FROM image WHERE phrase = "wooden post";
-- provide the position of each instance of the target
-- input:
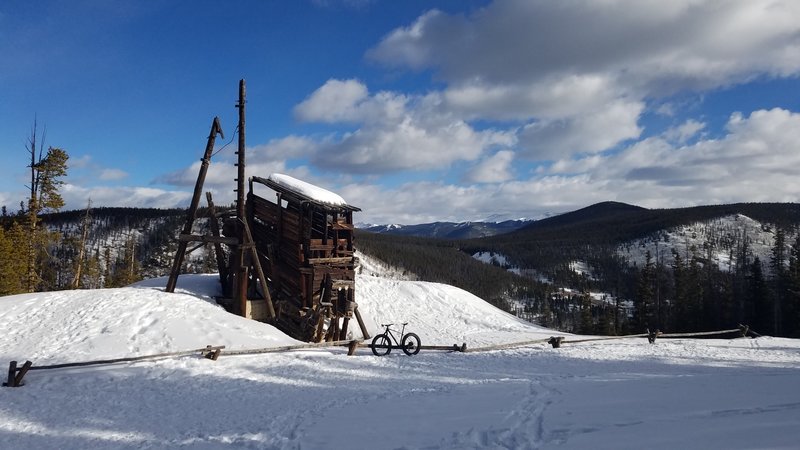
(351, 349)
(652, 335)
(361, 325)
(240, 178)
(744, 329)
(259, 270)
(214, 225)
(12, 374)
(190, 215)
(345, 323)
(555, 341)
(21, 374)
(241, 292)
(212, 353)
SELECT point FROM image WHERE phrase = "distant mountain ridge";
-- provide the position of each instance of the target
(449, 230)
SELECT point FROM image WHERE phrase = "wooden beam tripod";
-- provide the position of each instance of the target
(244, 248)
(186, 235)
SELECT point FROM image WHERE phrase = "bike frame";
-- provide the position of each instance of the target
(389, 332)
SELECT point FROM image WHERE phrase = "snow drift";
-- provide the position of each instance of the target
(741, 393)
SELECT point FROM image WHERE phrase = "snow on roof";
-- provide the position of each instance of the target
(315, 193)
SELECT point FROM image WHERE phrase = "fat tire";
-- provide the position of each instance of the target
(411, 344)
(381, 339)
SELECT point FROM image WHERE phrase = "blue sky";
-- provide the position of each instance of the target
(414, 111)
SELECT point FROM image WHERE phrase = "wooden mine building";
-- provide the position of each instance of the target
(289, 262)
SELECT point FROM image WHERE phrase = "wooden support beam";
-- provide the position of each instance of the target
(207, 239)
(222, 266)
(12, 375)
(241, 293)
(344, 260)
(190, 214)
(259, 270)
(361, 324)
(196, 247)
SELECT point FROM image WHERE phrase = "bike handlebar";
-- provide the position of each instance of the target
(390, 324)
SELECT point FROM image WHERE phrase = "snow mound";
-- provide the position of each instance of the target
(71, 326)
(440, 314)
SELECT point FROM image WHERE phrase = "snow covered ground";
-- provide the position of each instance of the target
(741, 393)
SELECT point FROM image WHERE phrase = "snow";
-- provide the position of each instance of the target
(307, 189)
(688, 394)
(695, 238)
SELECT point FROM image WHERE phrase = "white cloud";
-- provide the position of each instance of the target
(112, 174)
(579, 73)
(494, 169)
(408, 145)
(289, 147)
(754, 162)
(593, 132)
(335, 101)
(395, 132)
(346, 101)
(685, 131)
(646, 43)
(556, 98)
(76, 197)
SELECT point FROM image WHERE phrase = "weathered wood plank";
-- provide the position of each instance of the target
(208, 239)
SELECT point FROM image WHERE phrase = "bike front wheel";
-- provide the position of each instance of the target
(411, 344)
(381, 345)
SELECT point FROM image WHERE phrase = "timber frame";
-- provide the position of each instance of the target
(306, 249)
(290, 262)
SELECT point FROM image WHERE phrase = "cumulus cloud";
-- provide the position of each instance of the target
(560, 67)
(75, 197)
(395, 132)
(593, 132)
(685, 131)
(753, 162)
(494, 169)
(408, 145)
(339, 101)
(653, 44)
(113, 174)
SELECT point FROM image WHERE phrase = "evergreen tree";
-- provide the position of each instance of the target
(46, 171)
(13, 265)
(644, 308)
(695, 293)
(605, 323)
(777, 265)
(127, 269)
(586, 325)
(792, 307)
(681, 294)
(759, 297)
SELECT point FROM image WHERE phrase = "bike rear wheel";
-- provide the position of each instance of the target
(411, 344)
(381, 345)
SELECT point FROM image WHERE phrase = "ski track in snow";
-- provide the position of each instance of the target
(741, 393)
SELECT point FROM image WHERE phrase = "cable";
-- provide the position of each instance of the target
(235, 133)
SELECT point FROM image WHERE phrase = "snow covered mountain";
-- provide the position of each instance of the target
(734, 394)
(449, 230)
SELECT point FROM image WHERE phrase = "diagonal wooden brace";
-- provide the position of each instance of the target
(15, 375)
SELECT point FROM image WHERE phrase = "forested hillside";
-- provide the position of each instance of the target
(610, 268)
(101, 247)
(681, 269)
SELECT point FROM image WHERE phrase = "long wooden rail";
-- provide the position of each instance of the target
(16, 374)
